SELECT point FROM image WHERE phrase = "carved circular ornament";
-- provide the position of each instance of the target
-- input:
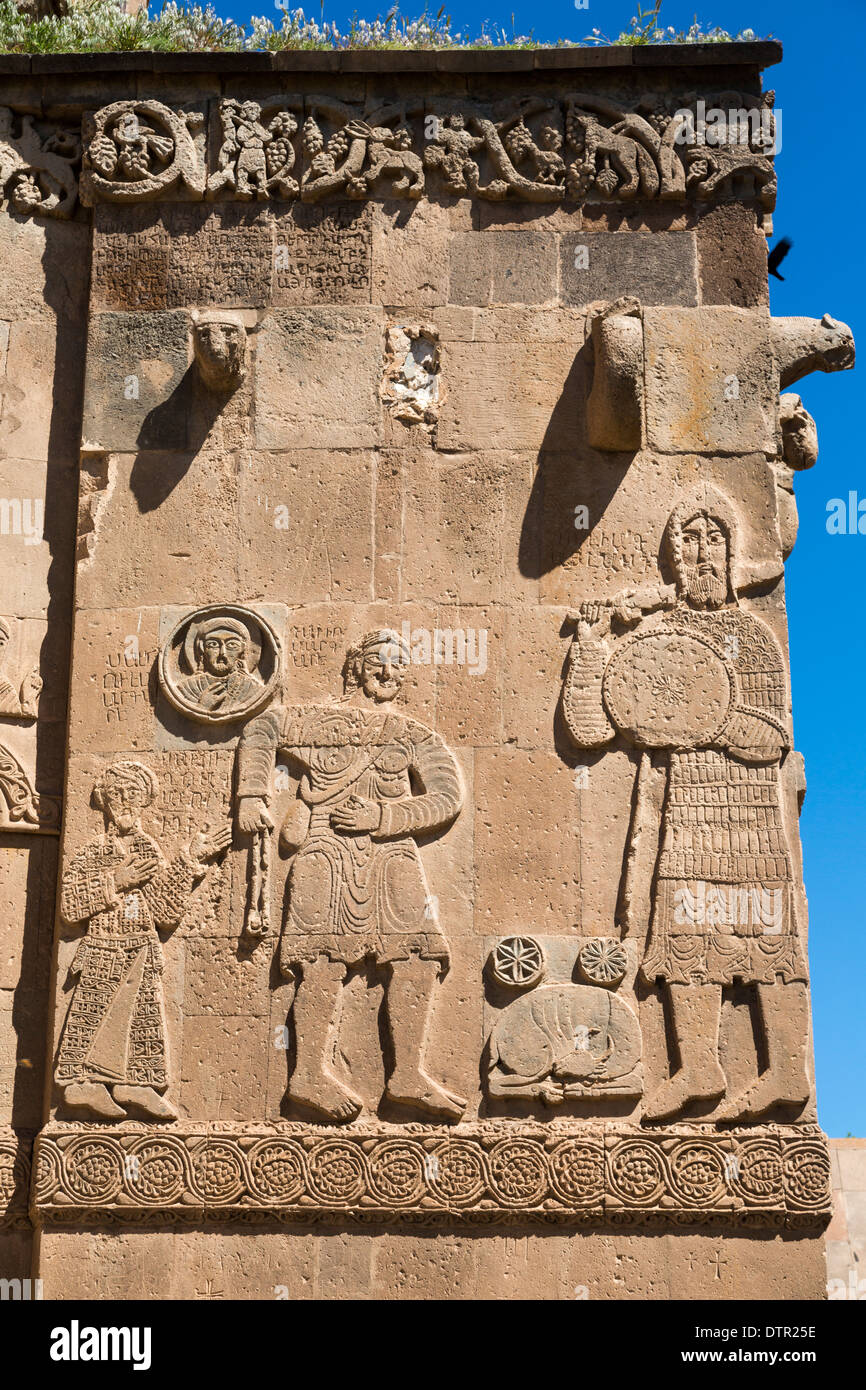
(517, 962)
(603, 960)
(141, 149)
(220, 665)
(668, 690)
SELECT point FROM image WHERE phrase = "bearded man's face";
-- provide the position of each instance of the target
(223, 653)
(705, 562)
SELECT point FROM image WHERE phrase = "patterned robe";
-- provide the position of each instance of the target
(353, 895)
(723, 903)
(115, 1027)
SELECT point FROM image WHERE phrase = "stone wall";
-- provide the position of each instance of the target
(428, 663)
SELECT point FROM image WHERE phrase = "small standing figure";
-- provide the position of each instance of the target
(251, 138)
(113, 1050)
(372, 780)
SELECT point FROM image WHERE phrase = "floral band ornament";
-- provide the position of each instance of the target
(536, 149)
(778, 1176)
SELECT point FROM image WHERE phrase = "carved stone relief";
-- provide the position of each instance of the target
(411, 384)
(256, 155)
(414, 969)
(567, 1035)
(113, 1055)
(532, 149)
(698, 688)
(357, 889)
(38, 172)
(22, 806)
(612, 1173)
(142, 149)
(220, 347)
(220, 664)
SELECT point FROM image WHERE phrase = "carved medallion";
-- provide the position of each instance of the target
(136, 150)
(603, 960)
(517, 962)
(220, 664)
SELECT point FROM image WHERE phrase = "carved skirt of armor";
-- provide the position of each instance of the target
(724, 895)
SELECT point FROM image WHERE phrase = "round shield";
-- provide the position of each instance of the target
(668, 689)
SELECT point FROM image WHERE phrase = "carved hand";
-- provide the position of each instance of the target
(133, 872)
(208, 843)
(593, 622)
(253, 815)
(357, 814)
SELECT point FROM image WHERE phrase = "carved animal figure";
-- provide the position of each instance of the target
(608, 147)
(389, 153)
(804, 345)
(560, 1038)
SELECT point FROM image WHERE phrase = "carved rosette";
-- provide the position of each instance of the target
(490, 1171)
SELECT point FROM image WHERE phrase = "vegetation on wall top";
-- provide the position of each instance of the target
(102, 26)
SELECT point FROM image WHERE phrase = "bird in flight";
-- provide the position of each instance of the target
(777, 255)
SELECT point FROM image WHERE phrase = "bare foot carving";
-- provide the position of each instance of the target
(680, 1090)
(326, 1096)
(422, 1093)
(92, 1096)
(147, 1100)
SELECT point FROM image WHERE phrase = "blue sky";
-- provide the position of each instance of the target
(821, 207)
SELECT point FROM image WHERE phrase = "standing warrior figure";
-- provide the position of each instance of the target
(704, 684)
(113, 1049)
(357, 889)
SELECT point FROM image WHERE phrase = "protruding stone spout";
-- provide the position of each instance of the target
(614, 409)
(804, 345)
(220, 344)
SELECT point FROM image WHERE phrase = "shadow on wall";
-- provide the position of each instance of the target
(190, 410)
(569, 474)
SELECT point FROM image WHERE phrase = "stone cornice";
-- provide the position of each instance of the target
(675, 57)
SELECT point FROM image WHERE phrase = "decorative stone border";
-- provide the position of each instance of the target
(495, 1171)
(15, 1172)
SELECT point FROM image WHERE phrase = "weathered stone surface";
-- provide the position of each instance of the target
(655, 267)
(499, 267)
(410, 254)
(508, 396)
(732, 258)
(136, 365)
(710, 381)
(318, 374)
(430, 850)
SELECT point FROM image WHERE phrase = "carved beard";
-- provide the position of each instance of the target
(380, 690)
(707, 590)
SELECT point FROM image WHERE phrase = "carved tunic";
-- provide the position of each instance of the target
(723, 907)
(115, 1028)
(351, 894)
